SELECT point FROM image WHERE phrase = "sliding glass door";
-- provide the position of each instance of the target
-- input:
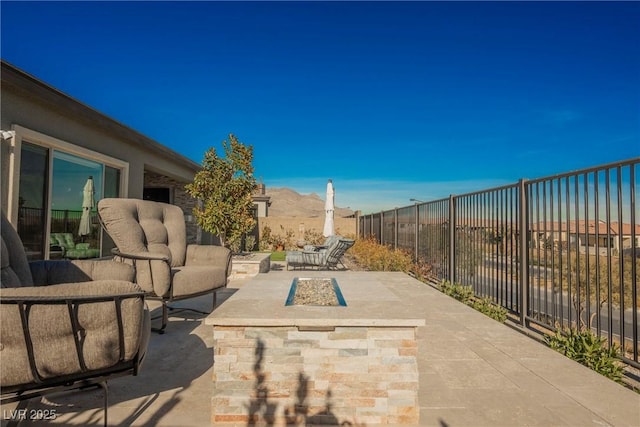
(32, 199)
(76, 187)
(59, 188)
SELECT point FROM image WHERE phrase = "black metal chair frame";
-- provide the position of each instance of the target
(86, 378)
(166, 300)
(332, 258)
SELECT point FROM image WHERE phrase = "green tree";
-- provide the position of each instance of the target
(224, 186)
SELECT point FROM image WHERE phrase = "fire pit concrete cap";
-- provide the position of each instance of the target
(374, 299)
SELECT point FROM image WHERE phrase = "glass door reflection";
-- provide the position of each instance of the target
(32, 199)
(76, 187)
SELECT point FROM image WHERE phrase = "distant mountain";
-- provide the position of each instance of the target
(288, 202)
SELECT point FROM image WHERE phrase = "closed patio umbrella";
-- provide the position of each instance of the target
(329, 211)
(87, 205)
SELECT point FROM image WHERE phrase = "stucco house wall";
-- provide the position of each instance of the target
(179, 197)
(35, 110)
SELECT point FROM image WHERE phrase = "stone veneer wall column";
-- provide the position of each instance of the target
(283, 376)
(180, 198)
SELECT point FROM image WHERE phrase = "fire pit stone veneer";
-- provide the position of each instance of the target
(302, 365)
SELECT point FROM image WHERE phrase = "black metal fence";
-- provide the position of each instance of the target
(31, 227)
(561, 251)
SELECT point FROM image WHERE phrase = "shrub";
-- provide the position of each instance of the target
(234, 244)
(373, 256)
(589, 350)
(270, 241)
(249, 242)
(485, 306)
(464, 293)
(460, 292)
(286, 238)
(265, 243)
(224, 186)
(313, 237)
(422, 271)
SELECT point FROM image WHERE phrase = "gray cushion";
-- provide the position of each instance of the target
(209, 255)
(327, 242)
(141, 227)
(56, 272)
(144, 226)
(14, 266)
(300, 258)
(328, 257)
(49, 323)
(64, 240)
(197, 279)
(52, 334)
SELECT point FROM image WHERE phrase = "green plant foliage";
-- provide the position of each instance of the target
(588, 349)
(485, 306)
(270, 241)
(265, 239)
(460, 292)
(235, 244)
(224, 186)
(249, 242)
(464, 293)
(278, 256)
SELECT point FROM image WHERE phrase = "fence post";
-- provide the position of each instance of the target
(415, 232)
(395, 226)
(371, 225)
(523, 270)
(452, 239)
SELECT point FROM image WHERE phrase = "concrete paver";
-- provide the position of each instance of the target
(474, 371)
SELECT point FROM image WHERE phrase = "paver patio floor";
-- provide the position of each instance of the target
(474, 371)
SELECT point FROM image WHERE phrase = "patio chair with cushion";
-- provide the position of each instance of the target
(66, 325)
(321, 259)
(152, 237)
(72, 250)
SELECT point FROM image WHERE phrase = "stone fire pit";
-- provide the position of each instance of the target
(278, 364)
(319, 291)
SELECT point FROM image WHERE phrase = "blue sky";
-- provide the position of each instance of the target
(391, 100)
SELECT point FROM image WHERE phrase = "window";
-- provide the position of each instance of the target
(32, 199)
(53, 178)
(157, 194)
(71, 175)
(111, 182)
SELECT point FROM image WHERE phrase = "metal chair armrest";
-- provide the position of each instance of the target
(24, 299)
(146, 256)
